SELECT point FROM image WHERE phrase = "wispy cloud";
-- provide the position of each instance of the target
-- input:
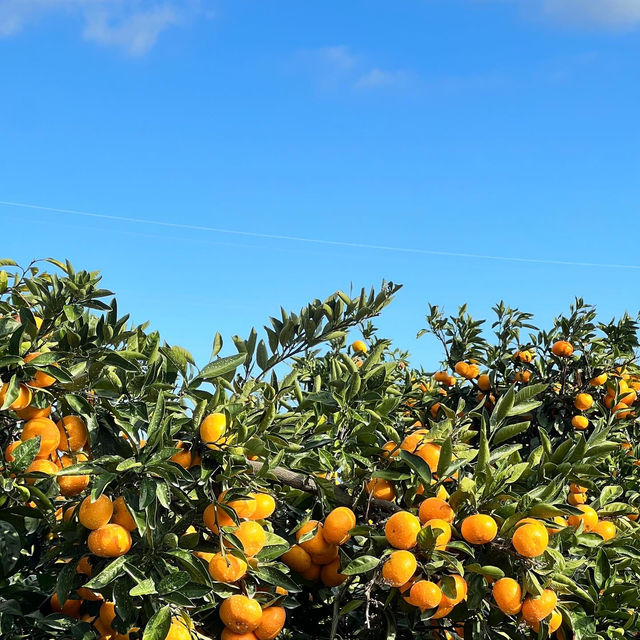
(338, 67)
(607, 13)
(133, 26)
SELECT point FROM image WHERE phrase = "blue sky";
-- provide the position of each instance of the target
(504, 128)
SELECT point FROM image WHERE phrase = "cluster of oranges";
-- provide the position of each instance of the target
(316, 554)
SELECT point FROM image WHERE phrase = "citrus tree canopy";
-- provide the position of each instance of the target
(313, 486)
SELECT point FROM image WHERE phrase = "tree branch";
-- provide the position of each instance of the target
(306, 483)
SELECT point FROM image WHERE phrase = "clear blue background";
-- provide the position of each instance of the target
(499, 128)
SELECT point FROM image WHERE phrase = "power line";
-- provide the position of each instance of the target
(320, 241)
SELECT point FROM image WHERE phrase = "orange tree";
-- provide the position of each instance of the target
(304, 488)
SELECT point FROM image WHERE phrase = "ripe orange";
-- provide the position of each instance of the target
(484, 382)
(462, 369)
(562, 349)
(508, 596)
(479, 529)
(265, 505)
(8, 452)
(212, 515)
(212, 430)
(401, 530)
(122, 516)
(605, 529)
(107, 612)
(48, 432)
(252, 536)
(381, 489)
(430, 453)
(441, 376)
(414, 440)
(227, 634)
(312, 573)
(583, 401)
(435, 508)
(561, 522)
(178, 630)
(580, 422)
(536, 609)
(523, 376)
(326, 556)
(390, 449)
(424, 594)
(330, 574)
(240, 614)
(442, 611)
(296, 558)
(183, 456)
(530, 540)
(589, 518)
(554, 622)
(317, 544)
(21, 402)
(69, 608)
(227, 568)
(359, 346)
(577, 498)
(442, 538)
(109, 541)
(598, 381)
(41, 379)
(524, 356)
(461, 592)
(28, 413)
(244, 507)
(399, 568)
(271, 623)
(40, 465)
(338, 524)
(84, 566)
(94, 515)
(73, 485)
(73, 433)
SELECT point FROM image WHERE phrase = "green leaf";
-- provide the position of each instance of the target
(158, 626)
(173, 582)
(509, 431)
(10, 546)
(276, 577)
(108, 574)
(222, 366)
(361, 565)
(418, 465)
(12, 393)
(502, 408)
(444, 460)
(25, 453)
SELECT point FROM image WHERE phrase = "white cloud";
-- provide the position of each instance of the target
(338, 67)
(130, 25)
(608, 13)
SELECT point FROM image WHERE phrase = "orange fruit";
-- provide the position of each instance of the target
(183, 457)
(212, 430)
(122, 516)
(424, 594)
(312, 573)
(399, 568)
(40, 465)
(414, 440)
(271, 623)
(530, 540)
(381, 489)
(107, 612)
(524, 356)
(28, 413)
(554, 622)
(109, 541)
(70, 608)
(484, 382)
(94, 515)
(583, 401)
(442, 376)
(227, 568)
(252, 536)
(390, 449)
(430, 453)
(605, 529)
(523, 376)
(461, 592)
(561, 522)
(296, 558)
(48, 432)
(330, 574)
(442, 611)
(535, 609)
(577, 498)
(73, 433)
(84, 566)
(462, 369)
(240, 614)
(265, 505)
(589, 518)
(562, 349)
(212, 515)
(325, 557)
(178, 630)
(479, 529)
(21, 402)
(580, 422)
(434, 409)
(359, 346)
(442, 538)
(338, 524)
(598, 381)
(244, 507)
(41, 379)
(508, 596)
(401, 530)
(8, 452)
(73, 485)
(227, 634)
(435, 508)
(317, 544)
